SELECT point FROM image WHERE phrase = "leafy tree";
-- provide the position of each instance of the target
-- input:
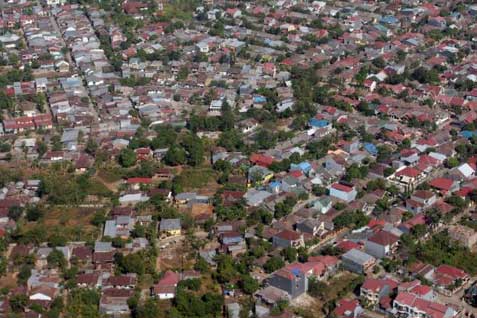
(150, 309)
(194, 148)
(274, 263)
(91, 146)
(34, 213)
(15, 212)
(176, 155)
(18, 302)
(127, 157)
(249, 285)
(225, 269)
(83, 302)
(355, 219)
(317, 288)
(56, 259)
(290, 254)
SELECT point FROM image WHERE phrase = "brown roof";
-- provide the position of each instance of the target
(384, 238)
(288, 235)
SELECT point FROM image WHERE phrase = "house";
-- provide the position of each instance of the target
(43, 293)
(88, 280)
(410, 305)
(127, 281)
(310, 226)
(374, 289)
(292, 281)
(343, 192)
(322, 205)
(114, 301)
(381, 244)
(406, 177)
(357, 261)
(421, 200)
(348, 308)
(258, 175)
(444, 185)
(416, 288)
(261, 160)
(121, 226)
(287, 238)
(167, 285)
(171, 226)
(449, 279)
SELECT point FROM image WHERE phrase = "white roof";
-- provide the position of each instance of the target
(466, 170)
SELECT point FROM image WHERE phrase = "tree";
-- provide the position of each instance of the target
(194, 147)
(127, 157)
(15, 212)
(317, 288)
(34, 213)
(18, 302)
(183, 73)
(175, 155)
(248, 284)
(225, 269)
(274, 263)
(56, 259)
(290, 254)
(150, 309)
(91, 146)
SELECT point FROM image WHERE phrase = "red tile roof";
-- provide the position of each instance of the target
(384, 238)
(288, 235)
(261, 160)
(341, 187)
(376, 285)
(408, 172)
(345, 306)
(441, 183)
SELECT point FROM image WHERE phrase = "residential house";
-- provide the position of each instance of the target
(421, 200)
(357, 261)
(287, 238)
(444, 185)
(114, 301)
(322, 205)
(170, 226)
(348, 308)
(292, 281)
(412, 306)
(343, 192)
(449, 279)
(310, 226)
(382, 244)
(374, 289)
(167, 285)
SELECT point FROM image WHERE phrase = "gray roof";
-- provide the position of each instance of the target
(358, 257)
(103, 246)
(170, 224)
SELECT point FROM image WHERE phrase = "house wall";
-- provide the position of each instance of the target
(375, 250)
(345, 196)
(352, 266)
(279, 242)
(294, 287)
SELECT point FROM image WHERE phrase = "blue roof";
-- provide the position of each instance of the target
(389, 19)
(304, 165)
(369, 147)
(468, 134)
(259, 99)
(318, 122)
(274, 184)
(295, 271)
